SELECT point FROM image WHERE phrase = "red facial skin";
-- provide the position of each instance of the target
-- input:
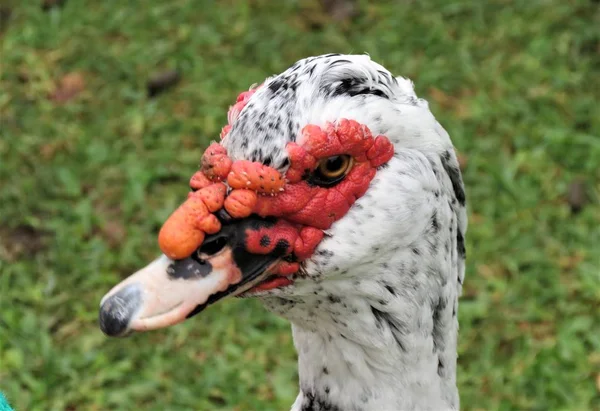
(255, 176)
(215, 163)
(303, 210)
(303, 203)
(240, 203)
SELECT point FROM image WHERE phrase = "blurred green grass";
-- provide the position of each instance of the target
(85, 185)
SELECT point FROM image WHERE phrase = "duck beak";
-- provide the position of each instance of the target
(167, 291)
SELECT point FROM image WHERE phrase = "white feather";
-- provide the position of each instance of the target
(374, 320)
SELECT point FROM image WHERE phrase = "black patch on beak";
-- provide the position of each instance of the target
(233, 236)
(189, 268)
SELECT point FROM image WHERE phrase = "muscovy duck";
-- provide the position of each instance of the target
(335, 197)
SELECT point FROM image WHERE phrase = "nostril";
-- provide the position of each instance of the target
(224, 216)
(212, 245)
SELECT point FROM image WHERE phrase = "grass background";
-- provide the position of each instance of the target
(85, 185)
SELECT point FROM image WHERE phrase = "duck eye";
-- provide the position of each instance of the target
(331, 170)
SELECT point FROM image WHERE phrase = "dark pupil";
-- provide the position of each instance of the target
(334, 163)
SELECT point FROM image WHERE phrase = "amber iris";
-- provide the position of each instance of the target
(331, 170)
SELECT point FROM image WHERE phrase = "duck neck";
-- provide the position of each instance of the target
(385, 342)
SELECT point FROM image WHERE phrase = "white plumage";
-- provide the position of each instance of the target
(374, 320)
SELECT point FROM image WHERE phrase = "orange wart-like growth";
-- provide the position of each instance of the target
(297, 200)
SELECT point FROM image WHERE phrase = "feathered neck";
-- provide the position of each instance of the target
(381, 333)
(361, 347)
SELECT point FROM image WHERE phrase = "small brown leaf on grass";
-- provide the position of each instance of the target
(340, 10)
(112, 229)
(182, 109)
(162, 81)
(540, 331)
(68, 87)
(114, 233)
(48, 4)
(440, 97)
(594, 359)
(216, 397)
(448, 102)
(5, 14)
(493, 270)
(49, 150)
(315, 15)
(569, 263)
(23, 76)
(20, 241)
(576, 196)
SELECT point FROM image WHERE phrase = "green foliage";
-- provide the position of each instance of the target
(85, 185)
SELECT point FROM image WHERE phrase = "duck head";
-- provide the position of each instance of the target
(335, 197)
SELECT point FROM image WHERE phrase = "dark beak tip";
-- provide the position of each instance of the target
(111, 325)
(116, 312)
